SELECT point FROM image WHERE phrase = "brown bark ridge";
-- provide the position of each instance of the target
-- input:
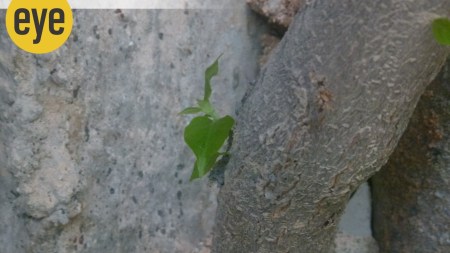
(412, 191)
(325, 114)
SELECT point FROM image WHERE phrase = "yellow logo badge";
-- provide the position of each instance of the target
(39, 26)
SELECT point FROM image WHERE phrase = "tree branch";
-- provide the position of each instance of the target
(325, 114)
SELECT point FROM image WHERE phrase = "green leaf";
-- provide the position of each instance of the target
(207, 108)
(205, 137)
(191, 110)
(209, 73)
(196, 172)
(441, 30)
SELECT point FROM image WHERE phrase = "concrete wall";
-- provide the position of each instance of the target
(92, 154)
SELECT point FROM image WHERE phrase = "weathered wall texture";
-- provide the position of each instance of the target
(92, 155)
(355, 233)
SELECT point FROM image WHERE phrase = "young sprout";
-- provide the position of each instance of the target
(206, 134)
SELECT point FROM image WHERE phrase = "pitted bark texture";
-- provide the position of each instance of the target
(412, 192)
(325, 114)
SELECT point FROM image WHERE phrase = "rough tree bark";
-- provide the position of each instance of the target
(412, 191)
(324, 116)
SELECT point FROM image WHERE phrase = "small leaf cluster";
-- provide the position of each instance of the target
(441, 30)
(206, 134)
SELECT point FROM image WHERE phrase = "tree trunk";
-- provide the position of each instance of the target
(325, 114)
(412, 191)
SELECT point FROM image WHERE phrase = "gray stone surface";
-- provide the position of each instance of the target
(357, 215)
(355, 233)
(346, 243)
(92, 154)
